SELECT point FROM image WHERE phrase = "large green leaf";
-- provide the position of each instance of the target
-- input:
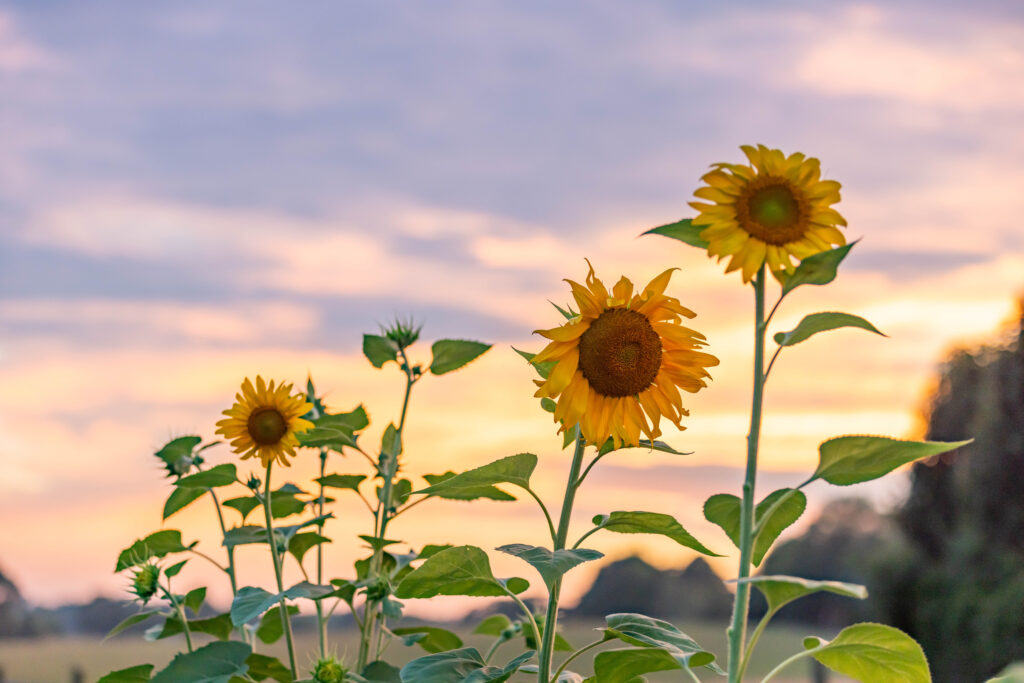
(452, 354)
(381, 672)
(781, 590)
(514, 469)
(724, 510)
(551, 565)
(354, 421)
(133, 674)
(157, 544)
(245, 535)
(379, 350)
(466, 492)
(250, 602)
(873, 653)
(684, 231)
(341, 481)
(628, 665)
(221, 475)
(271, 628)
(262, 667)
(430, 638)
(244, 504)
(819, 269)
(328, 436)
(220, 627)
(849, 460)
(300, 544)
(464, 665)
(638, 629)
(635, 522)
(822, 322)
(179, 498)
(462, 570)
(213, 663)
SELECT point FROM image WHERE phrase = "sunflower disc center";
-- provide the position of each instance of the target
(772, 212)
(267, 426)
(620, 354)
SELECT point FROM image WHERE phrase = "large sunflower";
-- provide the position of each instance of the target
(622, 360)
(776, 208)
(264, 421)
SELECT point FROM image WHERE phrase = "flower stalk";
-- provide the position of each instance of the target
(286, 621)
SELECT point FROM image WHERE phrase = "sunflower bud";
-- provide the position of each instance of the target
(378, 590)
(145, 582)
(254, 483)
(403, 333)
(329, 670)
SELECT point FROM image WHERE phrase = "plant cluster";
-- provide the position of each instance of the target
(613, 368)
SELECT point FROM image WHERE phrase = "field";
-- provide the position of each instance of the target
(51, 660)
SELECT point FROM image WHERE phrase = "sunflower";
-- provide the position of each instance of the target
(264, 421)
(622, 360)
(775, 209)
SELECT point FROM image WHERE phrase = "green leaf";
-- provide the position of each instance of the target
(341, 481)
(849, 460)
(467, 493)
(381, 672)
(129, 622)
(328, 436)
(179, 498)
(638, 629)
(462, 570)
(133, 674)
(271, 628)
(221, 475)
(300, 544)
(822, 322)
(684, 231)
(400, 491)
(157, 544)
(650, 523)
(353, 421)
(220, 627)
(460, 666)
(550, 565)
(390, 445)
(567, 312)
(493, 625)
(379, 350)
(548, 405)
(244, 505)
(194, 598)
(430, 638)
(1014, 673)
(626, 666)
(647, 444)
(514, 469)
(176, 449)
(873, 653)
(175, 569)
(452, 354)
(250, 602)
(781, 590)
(724, 510)
(310, 591)
(213, 663)
(245, 535)
(819, 269)
(543, 369)
(262, 667)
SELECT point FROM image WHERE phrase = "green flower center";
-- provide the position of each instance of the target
(267, 426)
(772, 212)
(620, 353)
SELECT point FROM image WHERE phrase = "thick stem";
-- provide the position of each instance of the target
(286, 621)
(738, 626)
(320, 619)
(551, 619)
(231, 549)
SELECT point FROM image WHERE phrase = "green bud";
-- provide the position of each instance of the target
(378, 590)
(254, 483)
(329, 670)
(144, 582)
(403, 333)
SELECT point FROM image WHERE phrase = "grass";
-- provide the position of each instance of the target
(50, 660)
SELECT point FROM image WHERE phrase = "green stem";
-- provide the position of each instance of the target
(231, 549)
(754, 637)
(787, 662)
(286, 621)
(178, 607)
(526, 610)
(493, 648)
(576, 654)
(320, 619)
(551, 619)
(738, 626)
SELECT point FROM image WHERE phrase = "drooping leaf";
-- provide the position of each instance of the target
(646, 444)
(781, 590)
(466, 493)
(221, 475)
(245, 535)
(271, 627)
(300, 544)
(725, 510)
(819, 269)
(129, 622)
(638, 629)
(683, 230)
(157, 544)
(341, 481)
(379, 350)
(550, 565)
(514, 469)
(635, 522)
(462, 570)
(213, 663)
(543, 369)
(822, 322)
(452, 354)
(873, 653)
(849, 460)
(430, 638)
(175, 569)
(244, 505)
(133, 674)
(262, 667)
(179, 498)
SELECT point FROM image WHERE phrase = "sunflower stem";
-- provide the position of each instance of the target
(551, 619)
(286, 621)
(738, 626)
(320, 619)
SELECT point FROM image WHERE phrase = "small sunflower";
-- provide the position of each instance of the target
(264, 421)
(776, 208)
(623, 360)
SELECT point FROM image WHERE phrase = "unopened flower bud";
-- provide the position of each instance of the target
(329, 670)
(144, 582)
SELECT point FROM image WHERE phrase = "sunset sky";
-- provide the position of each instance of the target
(193, 192)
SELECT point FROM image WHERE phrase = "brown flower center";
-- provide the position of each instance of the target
(772, 212)
(267, 426)
(620, 354)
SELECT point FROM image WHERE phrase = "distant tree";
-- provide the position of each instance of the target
(14, 613)
(957, 582)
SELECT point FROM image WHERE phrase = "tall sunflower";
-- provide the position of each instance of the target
(623, 360)
(775, 209)
(264, 420)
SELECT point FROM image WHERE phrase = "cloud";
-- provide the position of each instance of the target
(18, 53)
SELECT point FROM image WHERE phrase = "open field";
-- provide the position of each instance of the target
(51, 660)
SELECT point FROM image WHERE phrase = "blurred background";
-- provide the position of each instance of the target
(195, 192)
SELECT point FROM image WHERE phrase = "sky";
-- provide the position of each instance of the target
(196, 192)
